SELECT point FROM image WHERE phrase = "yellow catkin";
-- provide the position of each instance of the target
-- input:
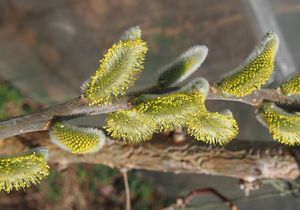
(291, 86)
(284, 126)
(118, 70)
(213, 128)
(171, 110)
(254, 72)
(130, 126)
(19, 172)
(77, 140)
(160, 112)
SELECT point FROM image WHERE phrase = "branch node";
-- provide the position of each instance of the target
(248, 185)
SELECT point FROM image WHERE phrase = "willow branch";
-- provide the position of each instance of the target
(39, 121)
(256, 98)
(78, 107)
(239, 159)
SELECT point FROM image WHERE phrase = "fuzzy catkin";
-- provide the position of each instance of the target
(130, 126)
(213, 128)
(118, 70)
(77, 140)
(21, 171)
(171, 110)
(182, 67)
(254, 72)
(284, 126)
(291, 86)
(153, 113)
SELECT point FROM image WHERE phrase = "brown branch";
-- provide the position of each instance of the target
(185, 201)
(239, 159)
(256, 98)
(39, 121)
(78, 107)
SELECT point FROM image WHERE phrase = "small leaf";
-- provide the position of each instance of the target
(118, 71)
(133, 33)
(174, 109)
(254, 72)
(291, 86)
(19, 172)
(181, 68)
(130, 126)
(213, 128)
(77, 140)
(284, 126)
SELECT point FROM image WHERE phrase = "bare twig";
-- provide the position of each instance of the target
(186, 200)
(40, 120)
(256, 98)
(127, 189)
(249, 199)
(78, 107)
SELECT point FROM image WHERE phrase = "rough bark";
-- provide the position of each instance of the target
(240, 159)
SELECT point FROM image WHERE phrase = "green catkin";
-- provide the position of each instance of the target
(171, 110)
(118, 70)
(284, 126)
(254, 72)
(182, 67)
(155, 113)
(291, 86)
(213, 128)
(130, 126)
(77, 140)
(174, 109)
(199, 83)
(21, 171)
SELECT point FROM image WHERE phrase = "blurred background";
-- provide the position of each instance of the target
(49, 48)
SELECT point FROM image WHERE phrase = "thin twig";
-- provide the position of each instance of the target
(39, 121)
(256, 98)
(127, 189)
(182, 203)
(249, 199)
(198, 192)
